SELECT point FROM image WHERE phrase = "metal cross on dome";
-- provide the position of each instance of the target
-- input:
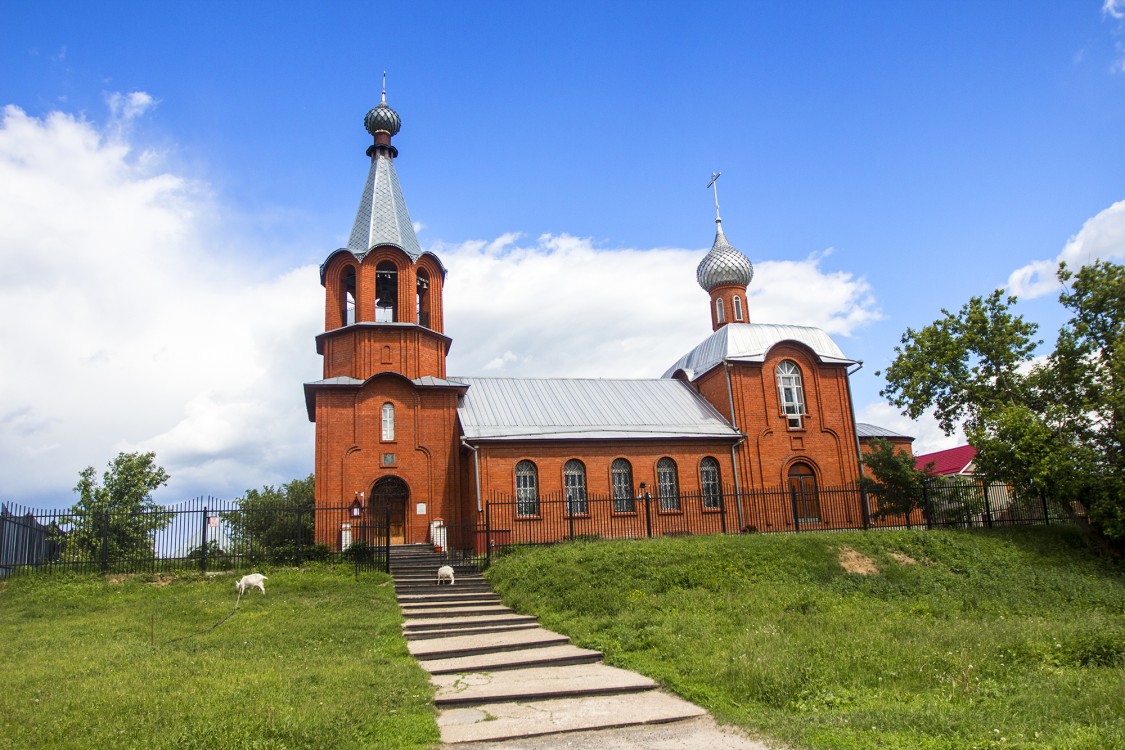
(713, 185)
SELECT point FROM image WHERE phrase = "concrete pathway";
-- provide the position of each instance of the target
(503, 681)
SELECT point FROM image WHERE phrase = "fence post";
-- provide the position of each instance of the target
(865, 507)
(648, 513)
(105, 541)
(1046, 510)
(488, 534)
(987, 504)
(723, 511)
(300, 533)
(203, 543)
(796, 510)
(927, 506)
(387, 538)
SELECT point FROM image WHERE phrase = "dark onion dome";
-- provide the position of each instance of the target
(724, 265)
(382, 119)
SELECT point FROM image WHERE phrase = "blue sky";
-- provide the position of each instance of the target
(880, 161)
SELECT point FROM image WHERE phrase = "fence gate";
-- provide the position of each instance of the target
(372, 542)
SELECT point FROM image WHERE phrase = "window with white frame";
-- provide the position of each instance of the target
(668, 484)
(719, 310)
(527, 489)
(574, 482)
(388, 421)
(621, 480)
(791, 393)
(737, 307)
(710, 483)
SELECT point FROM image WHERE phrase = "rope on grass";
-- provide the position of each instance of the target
(208, 630)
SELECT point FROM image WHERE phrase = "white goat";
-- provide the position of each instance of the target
(254, 580)
(445, 573)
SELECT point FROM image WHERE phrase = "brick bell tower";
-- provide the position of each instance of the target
(385, 415)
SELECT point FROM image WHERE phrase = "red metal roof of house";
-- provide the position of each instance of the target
(951, 461)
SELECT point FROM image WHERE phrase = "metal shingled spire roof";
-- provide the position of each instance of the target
(382, 218)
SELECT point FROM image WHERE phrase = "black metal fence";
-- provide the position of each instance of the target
(205, 534)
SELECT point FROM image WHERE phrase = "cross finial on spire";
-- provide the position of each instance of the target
(384, 87)
(713, 184)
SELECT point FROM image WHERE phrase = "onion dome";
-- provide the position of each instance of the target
(382, 119)
(724, 265)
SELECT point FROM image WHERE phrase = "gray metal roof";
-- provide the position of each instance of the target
(570, 408)
(429, 381)
(751, 342)
(866, 430)
(382, 218)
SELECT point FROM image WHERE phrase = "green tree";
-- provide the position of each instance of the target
(893, 482)
(116, 516)
(1052, 429)
(271, 522)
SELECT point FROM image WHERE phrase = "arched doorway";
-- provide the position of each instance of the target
(390, 494)
(803, 493)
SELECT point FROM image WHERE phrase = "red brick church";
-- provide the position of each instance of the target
(751, 406)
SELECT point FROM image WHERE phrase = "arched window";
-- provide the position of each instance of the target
(803, 493)
(790, 392)
(423, 298)
(667, 484)
(527, 489)
(386, 292)
(347, 297)
(710, 483)
(621, 480)
(737, 308)
(719, 310)
(388, 421)
(574, 482)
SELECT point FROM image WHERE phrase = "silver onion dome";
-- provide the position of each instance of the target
(382, 119)
(723, 265)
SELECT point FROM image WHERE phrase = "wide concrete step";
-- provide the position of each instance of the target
(458, 610)
(444, 623)
(430, 588)
(445, 595)
(549, 656)
(421, 635)
(505, 721)
(467, 645)
(538, 683)
(440, 602)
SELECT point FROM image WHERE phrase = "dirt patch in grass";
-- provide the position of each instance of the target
(161, 580)
(857, 562)
(904, 559)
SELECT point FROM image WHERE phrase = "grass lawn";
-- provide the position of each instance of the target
(993, 639)
(319, 662)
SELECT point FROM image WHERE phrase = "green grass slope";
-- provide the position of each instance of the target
(319, 662)
(992, 639)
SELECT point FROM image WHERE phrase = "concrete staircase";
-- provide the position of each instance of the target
(499, 675)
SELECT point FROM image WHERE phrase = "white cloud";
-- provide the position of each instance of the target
(133, 320)
(1101, 238)
(928, 437)
(125, 331)
(1114, 8)
(560, 307)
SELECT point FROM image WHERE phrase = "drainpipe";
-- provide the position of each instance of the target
(733, 458)
(476, 469)
(858, 450)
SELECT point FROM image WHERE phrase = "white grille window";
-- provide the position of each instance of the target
(527, 489)
(719, 310)
(388, 421)
(668, 484)
(737, 308)
(791, 393)
(710, 483)
(621, 477)
(574, 481)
